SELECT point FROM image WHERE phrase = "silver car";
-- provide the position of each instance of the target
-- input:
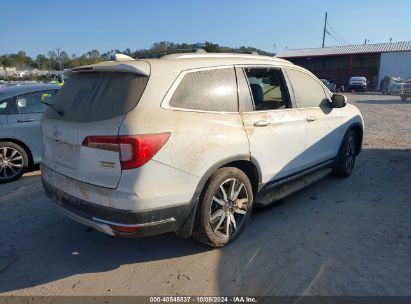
(21, 108)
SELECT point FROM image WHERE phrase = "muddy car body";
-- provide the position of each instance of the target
(188, 142)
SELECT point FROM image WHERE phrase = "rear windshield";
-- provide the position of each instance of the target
(97, 96)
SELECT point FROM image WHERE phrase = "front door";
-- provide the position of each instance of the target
(322, 121)
(276, 130)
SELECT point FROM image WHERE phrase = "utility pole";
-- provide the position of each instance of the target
(325, 28)
(58, 55)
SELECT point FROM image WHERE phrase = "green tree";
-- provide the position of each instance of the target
(211, 47)
(42, 62)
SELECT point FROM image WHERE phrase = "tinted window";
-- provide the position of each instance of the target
(268, 88)
(307, 91)
(32, 103)
(211, 90)
(90, 97)
(244, 94)
(4, 105)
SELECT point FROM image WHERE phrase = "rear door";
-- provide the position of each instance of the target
(24, 118)
(89, 104)
(275, 129)
(322, 121)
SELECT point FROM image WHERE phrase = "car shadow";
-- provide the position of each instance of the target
(330, 238)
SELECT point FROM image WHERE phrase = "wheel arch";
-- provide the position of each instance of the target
(246, 163)
(358, 129)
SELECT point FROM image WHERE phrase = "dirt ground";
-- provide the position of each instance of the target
(337, 237)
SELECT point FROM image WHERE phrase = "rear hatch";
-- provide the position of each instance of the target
(92, 102)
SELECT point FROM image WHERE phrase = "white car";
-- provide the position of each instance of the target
(190, 142)
(357, 83)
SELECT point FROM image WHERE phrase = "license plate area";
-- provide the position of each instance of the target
(65, 154)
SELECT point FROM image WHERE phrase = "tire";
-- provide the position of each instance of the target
(219, 205)
(13, 162)
(404, 98)
(345, 161)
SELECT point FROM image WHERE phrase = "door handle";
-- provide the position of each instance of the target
(261, 123)
(311, 118)
(25, 120)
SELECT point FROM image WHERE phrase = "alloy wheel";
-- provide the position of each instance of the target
(229, 207)
(11, 163)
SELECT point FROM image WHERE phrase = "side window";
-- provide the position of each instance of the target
(307, 91)
(33, 102)
(3, 107)
(268, 88)
(46, 96)
(210, 90)
(7, 106)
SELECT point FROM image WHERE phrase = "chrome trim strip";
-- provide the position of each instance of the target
(100, 227)
(135, 225)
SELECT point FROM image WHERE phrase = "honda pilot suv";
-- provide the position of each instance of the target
(190, 142)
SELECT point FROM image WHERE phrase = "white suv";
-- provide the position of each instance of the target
(189, 142)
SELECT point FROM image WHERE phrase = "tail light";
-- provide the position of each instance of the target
(134, 150)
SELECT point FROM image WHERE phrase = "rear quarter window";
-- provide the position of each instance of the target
(91, 97)
(209, 90)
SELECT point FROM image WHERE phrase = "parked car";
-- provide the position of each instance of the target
(391, 85)
(190, 142)
(405, 91)
(357, 83)
(330, 85)
(21, 146)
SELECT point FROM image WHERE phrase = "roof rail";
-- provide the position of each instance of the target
(162, 53)
(221, 55)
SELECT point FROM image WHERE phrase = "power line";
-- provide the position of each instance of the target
(335, 38)
(336, 33)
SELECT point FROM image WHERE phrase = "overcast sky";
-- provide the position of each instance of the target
(79, 26)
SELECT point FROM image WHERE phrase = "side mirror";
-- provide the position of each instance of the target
(338, 101)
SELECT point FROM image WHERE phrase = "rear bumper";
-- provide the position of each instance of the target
(106, 219)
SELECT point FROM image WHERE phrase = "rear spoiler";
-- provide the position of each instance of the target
(139, 67)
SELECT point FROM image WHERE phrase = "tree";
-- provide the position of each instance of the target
(211, 47)
(65, 59)
(42, 62)
(94, 56)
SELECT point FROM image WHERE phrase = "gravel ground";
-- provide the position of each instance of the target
(337, 237)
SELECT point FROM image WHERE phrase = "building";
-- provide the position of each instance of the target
(373, 61)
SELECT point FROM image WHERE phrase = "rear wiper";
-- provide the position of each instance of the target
(54, 108)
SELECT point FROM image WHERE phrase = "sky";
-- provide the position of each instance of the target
(79, 26)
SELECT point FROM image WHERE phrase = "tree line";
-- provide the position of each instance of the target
(58, 60)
